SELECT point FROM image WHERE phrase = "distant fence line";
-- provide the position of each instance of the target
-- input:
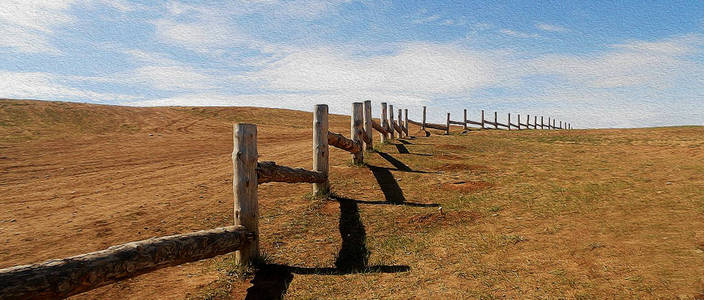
(60, 278)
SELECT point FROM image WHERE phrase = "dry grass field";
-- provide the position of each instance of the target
(584, 214)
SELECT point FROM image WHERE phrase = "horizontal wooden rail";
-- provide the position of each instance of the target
(486, 122)
(340, 141)
(474, 123)
(429, 125)
(378, 127)
(60, 278)
(500, 124)
(456, 123)
(269, 171)
(398, 129)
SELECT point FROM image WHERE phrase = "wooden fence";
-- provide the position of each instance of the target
(483, 123)
(60, 278)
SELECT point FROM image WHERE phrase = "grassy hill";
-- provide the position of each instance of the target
(484, 214)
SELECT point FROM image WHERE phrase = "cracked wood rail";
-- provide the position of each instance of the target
(269, 171)
(340, 141)
(60, 278)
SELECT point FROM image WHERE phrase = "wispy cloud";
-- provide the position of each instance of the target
(41, 85)
(26, 25)
(426, 19)
(519, 34)
(551, 27)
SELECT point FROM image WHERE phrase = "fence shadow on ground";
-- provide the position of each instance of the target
(402, 149)
(400, 166)
(389, 186)
(271, 281)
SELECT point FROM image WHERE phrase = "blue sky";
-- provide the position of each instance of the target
(593, 63)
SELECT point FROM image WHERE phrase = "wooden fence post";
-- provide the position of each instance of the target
(384, 123)
(553, 123)
(368, 124)
(423, 127)
(542, 125)
(405, 121)
(482, 119)
(392, 122)
(509, 122)
(464, 126)
(496, 120)
(321, 151)
(400, 123)
(527, 121)
(244, 185)
(535, 122)
(357, 129)
(560, 124)
(519, 122)
(448, 124)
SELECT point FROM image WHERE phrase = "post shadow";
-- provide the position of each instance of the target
(402, 148)
(271, 281)
(395, 162)
(372, 202)
(389, 186)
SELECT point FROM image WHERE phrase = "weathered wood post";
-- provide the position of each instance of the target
(509, 122)
(447, 130)
(553, 123)
(384, 123)
(423, 127)
(392, 130)
(519, 122)
(496, 120)
(535, 122)
(357, 129)
(244, 185)
(560, 124)
(321, 151)
(542, 125)
(464, 125)
(368, 124)
(400, 123)
(527, 121)
(482, 119)
(405, 121)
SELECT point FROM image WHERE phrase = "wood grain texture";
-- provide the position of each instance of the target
(60, 278)
(357, 130)
(340, 141)
(269, 171)
(321, 151)
(368, 141)
(244, 185)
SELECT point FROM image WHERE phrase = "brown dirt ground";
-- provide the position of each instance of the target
(578, 214)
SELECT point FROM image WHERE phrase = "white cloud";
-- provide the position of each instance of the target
(173, 78)
(426, 19)
(417, 69)
(519, 34)
(551, 27)
(202, 36)
(39, 85)
(26, 25)
(637, 63)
